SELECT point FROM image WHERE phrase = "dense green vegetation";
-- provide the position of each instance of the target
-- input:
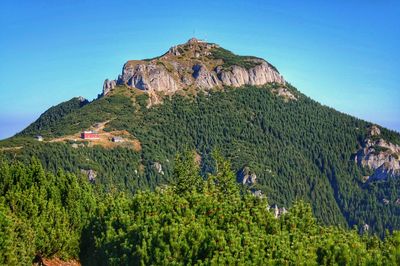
(230, 59)
(48, 120)
(41, 214)
(190, 221)
(106, 108)
(298, 149)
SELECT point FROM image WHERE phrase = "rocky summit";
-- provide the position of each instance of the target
(195, 65)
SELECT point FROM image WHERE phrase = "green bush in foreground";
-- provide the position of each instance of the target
(191, 221)
(41, 214)
(215, 224)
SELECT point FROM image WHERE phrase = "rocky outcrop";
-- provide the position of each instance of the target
(148, 77)
(158, 167)
(278, 212)
(386, 170)
(246, 176)
(286, 94)
(108, 86)
(379, 155)
(91, 174)
(192, 65)
(259, 75)
(82, 99)
(374, 130)
(204, 79)
(257, 193)
(364, 229)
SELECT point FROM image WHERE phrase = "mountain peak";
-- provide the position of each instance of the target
(194, 65)
(194, 47)
(193, 40)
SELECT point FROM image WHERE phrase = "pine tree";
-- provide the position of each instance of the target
(187, 177)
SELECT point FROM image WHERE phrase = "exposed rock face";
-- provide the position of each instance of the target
(364, 229)
(91, 174)
(258, 75)
(148, 77)
(285, 93)
(278, 212)
(246, 177)
(108, 86)
(158, 167)
(379, 155)
(257, 193)
(386, 170)
(385, 201)
(374, 130)
(81, 99)
(204, 79)
(191, 65)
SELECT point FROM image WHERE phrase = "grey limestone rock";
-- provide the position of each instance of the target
(148, 77)
(108, 85)
(174, 71)
(204, 79)
(379, 155)
(246, 176)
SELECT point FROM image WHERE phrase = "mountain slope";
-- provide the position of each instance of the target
(297, 148)
(50, 118)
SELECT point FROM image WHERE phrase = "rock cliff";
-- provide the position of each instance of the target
(194, 65)
(379, 155)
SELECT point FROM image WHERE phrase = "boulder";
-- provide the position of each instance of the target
(246, 177)
(158, 167)
(91, 174)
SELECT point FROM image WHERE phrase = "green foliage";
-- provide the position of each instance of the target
(142, 100)
(230, 59)
(390, 135)
(166, 227)
(379, 149)
(53, 124)
(44, 215)
(224, 179)
(186, 175)
(50, 118)
(8, 249)
(298, 149)
(41, 214)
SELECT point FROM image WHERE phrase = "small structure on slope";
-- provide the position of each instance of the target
(117, 139)
(90, 135)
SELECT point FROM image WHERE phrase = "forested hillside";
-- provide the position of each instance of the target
(41, 214)
(191, 220)
(298, 149)
(51, 116)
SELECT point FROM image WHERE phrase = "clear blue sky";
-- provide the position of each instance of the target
(344, 54)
